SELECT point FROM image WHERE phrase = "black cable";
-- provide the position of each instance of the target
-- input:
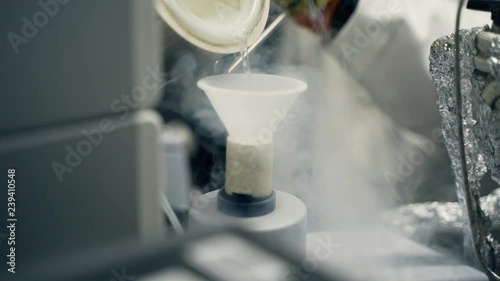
(465, 176)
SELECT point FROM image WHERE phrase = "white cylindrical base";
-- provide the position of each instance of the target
(286, 225)
(249, 168)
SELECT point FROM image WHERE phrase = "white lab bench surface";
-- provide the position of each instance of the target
(383, 255)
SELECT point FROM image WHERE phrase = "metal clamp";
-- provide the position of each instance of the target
(488, 61)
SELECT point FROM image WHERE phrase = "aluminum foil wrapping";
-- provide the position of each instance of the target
(422, 220)
(482, 144)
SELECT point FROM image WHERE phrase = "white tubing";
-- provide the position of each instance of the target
(172, 217)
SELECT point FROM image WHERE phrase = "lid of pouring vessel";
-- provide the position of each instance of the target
(218, 26)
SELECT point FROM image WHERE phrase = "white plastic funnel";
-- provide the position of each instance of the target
(251, 105)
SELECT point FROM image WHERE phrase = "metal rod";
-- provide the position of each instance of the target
(277, 22)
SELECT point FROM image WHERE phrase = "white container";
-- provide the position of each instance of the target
(218, 26)
(249, 106)
(285, 226)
